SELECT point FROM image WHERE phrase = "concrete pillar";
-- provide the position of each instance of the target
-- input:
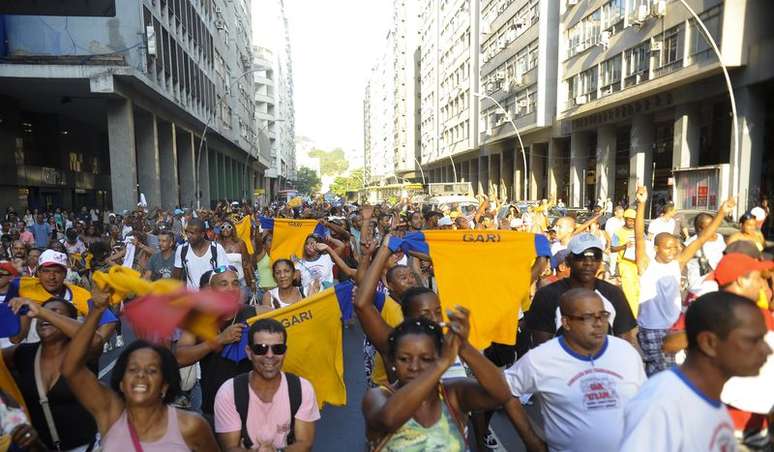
(170, 190)
(204, 175)
(473, 175)
(605, 171)
(148, 171)
(553, 172)
(685, 151)
(579, 144)
(483, 174)
(186, 168)
(752, 122)
(507, 183)
(641, 154)
(494, 175)
(537, 165)
(121, 145)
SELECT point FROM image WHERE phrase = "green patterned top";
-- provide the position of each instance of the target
(444, 435)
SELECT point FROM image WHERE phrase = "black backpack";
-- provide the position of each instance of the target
(242, 401)
(184, 261)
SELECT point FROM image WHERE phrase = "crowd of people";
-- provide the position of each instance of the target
(632, 338)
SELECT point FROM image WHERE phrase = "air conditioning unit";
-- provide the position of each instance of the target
(523, 103)
(659, 9)
(656, 47)
(500, 75)
(604, 39)
(580, 100)
(642, 13)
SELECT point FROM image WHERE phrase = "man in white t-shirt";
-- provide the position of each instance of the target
(663, 223)
(680, 410)
(707, 257)
(266, 409)
(612, 225)
(583, 379)
(195, 258)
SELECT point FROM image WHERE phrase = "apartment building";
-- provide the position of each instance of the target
(96, 110)
(379, 117)
(642, 100)
(405, 33)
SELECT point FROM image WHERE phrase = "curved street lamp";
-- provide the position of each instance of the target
(421, 171)
(516, 130)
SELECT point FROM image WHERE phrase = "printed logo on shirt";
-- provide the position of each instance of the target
(723, 438)
(599, 393)
(482, 238)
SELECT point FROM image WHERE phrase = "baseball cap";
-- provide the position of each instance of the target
(445, 221)
(758, 213)
(734, 265)
(7, 269)
(630, 213)
(51, 257)
(582, 242)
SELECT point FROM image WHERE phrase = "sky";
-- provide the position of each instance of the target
(334, 44)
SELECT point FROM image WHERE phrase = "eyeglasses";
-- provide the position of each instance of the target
(589, 318)
(262, 349)
(227, 226)
(225, 268)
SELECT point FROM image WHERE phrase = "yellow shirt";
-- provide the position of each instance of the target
(392, 315)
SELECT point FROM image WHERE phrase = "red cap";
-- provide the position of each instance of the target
(734, 265)
(8, 267)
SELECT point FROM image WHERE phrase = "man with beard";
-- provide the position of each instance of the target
(266, 408)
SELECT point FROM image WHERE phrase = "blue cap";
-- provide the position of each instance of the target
(582, 242)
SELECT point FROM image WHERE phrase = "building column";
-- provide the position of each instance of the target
(641, 154)
(579, 143)
(473, 175)
(751, 112)
(605, 171)
(685, 150)
(204, 174)
(494, 175)
(148, 171)
(553, 172)
(537, 162)
(507, 183)
(121, 145)
(170, 190)
(483, 175)
(186, 168)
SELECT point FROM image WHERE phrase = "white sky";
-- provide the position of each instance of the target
(334, 44)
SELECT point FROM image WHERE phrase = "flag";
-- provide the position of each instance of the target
(30, 287)
(156, 316)
(10, 324)
(244, 230)
(315, 343)
(8, 385)
(289, 235)
(487, 272)
(126, 282)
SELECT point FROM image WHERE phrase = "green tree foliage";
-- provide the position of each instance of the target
(342, 184)
(332, 163)
(307, 180)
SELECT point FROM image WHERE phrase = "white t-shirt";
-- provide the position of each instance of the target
(713, 250)
(199, 265)
(753, 394)
(581, 398)
(659, 225)
(557, 246)
(321, 269)
(671, 414)
(613, 224)
(660, 300)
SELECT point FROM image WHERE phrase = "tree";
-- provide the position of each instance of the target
(332, 163)
(342, 184)
(307, 181)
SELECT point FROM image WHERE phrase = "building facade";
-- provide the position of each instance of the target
(405, 30)
(275, 112)
(379, 117)
(96, 110)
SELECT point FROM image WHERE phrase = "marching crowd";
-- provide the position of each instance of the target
(632, 338)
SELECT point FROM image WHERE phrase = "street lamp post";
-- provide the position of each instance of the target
(516, 130)
(421, 171)
(454, 169)
(207, 127)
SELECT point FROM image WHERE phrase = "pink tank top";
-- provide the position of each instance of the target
(118, 437)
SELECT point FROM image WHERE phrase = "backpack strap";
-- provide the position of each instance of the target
(184, 261)
(213, 255)
(242, 401)
(294, 393)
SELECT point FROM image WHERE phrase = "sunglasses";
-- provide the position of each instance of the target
(262, 349)
(227, 226)
(225, 268)
(594, 254)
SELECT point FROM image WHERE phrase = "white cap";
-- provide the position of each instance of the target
(758, 213)
(445, 221)
(51, 257)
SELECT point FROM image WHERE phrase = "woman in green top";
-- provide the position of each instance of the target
(263, 263)
(420, 412)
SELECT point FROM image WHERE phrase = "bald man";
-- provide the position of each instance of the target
(584, 378)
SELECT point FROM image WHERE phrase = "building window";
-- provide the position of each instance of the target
(611, 75)
(588, 83)
(612, 15)
(668, 51)
(700, 46)
(637, 64)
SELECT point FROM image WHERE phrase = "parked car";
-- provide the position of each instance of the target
(685, 217)
(466, 203)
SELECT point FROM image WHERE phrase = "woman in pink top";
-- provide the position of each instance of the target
(135, 414)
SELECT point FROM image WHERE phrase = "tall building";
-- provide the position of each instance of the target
(642, 100)
(96, 110)
(405, 30)
(518, 83)
(379, 120)
(275, 114)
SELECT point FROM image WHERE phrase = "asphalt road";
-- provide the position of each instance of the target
(342, 428)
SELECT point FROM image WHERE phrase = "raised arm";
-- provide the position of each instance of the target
(346, 269)
(726, 208)
(375, 328)
(641, 256)
(103, 404)
(584, 226)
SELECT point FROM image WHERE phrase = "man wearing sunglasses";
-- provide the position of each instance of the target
(266, 409)
(584, 378)
(544, 319)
